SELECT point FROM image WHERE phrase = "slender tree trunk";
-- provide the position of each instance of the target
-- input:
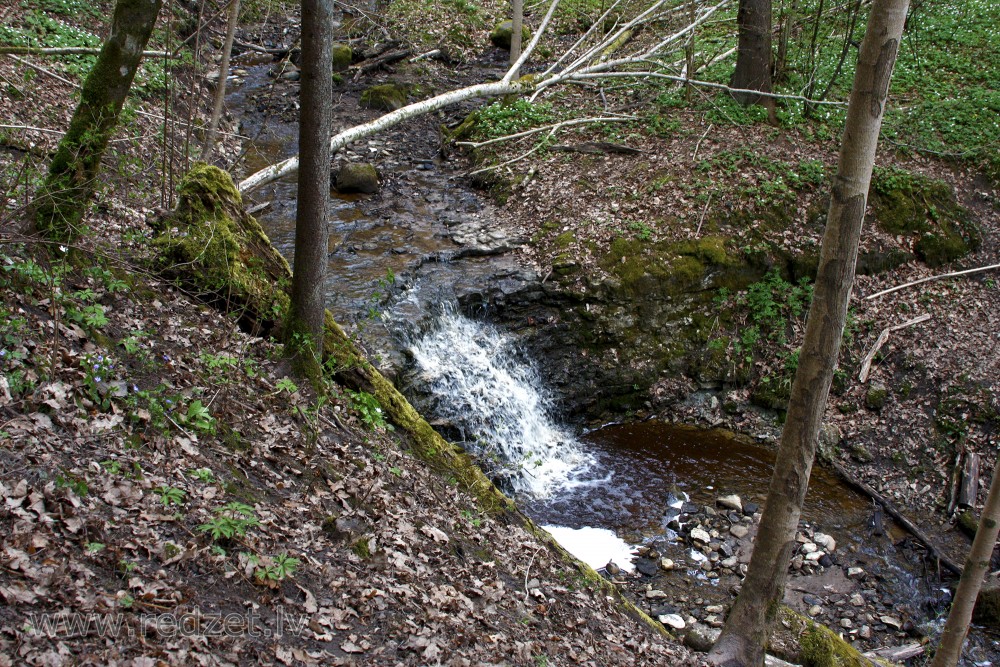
(220, 84)
(60, 203)
(515, 35)
(753, 55)
(976, 564)
(305, 321)
(747, 627)
(787, 21)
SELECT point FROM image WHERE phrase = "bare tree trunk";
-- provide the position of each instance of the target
(748, 624)
(976, 564)
(305, 322)
(515, 35)
(753, 55)
(220, 84)
(59, 205)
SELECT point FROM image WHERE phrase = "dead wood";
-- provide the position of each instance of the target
(883, 337)
(910, 527)
(969, 487)
(596, 148)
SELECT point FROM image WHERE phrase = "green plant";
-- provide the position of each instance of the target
(231, 520)
(275, 568)
(285, 384)
(74, 483)
(198, 416)
(202, 475)
(94, 547)
(368, 409)
(170, 495)
(503, 118)
(112, 467)
(99, 379)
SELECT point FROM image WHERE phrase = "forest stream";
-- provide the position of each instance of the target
(401, 263)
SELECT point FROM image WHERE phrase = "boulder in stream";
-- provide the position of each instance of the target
(384, 97)
(357, 177)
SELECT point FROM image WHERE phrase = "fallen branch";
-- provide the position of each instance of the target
(596, 148)
(544, 128)
(898, 516)
(70, 51)
(930, 278)
(247, 46)
(866, 363)
(896, 654)
(39, 68)
(29, 127)
(430, 54)
(378, 61)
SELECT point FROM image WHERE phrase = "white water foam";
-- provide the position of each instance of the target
(485, 389)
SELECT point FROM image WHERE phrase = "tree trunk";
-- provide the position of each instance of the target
(747, 626)
(753, 55)
(59, 205)
(955, 629)
(311, 231)
(220, 83)
(515, 35)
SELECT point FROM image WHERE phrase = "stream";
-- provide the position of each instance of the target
(401, 261)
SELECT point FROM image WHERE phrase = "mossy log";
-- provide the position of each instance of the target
(212, 246)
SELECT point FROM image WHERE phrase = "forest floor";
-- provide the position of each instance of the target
(172, 496)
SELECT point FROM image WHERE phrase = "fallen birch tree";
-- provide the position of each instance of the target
(586, 59)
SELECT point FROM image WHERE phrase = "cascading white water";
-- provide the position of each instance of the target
(496, 400)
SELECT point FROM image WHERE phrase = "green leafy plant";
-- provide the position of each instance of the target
(170, 495)
(198, 416)
(368, 408)
(286, 385)
(231, 520)
(94, 547)
(275, 568)
(503, 118)
(202, 475)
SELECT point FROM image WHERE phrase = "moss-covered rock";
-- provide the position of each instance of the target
(341, 57)
(384, 97)
(357, 177)
(800, 640)
(904, 203)
(987, 610)
(503, 33)
(876, 397)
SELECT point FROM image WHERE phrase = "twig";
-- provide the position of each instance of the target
(527, 572)
(280, 51)
(29, 127)
(697, 232)
(866, 363)
(930, 278)
(41, 69)
(694, 156)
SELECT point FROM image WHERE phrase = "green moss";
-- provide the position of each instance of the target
(362, 548)
(876, 397)
(503, 33)
(910, 204)
(342, 56)
(384, 97)
(810, 644)
(212, 242)
(564, 240)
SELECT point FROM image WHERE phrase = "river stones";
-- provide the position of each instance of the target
(731, 502)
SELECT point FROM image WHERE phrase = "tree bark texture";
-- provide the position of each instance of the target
(744, 636)
(515, 35)
(60, 203)
(753, 54)
(311, 230)
(957, 625)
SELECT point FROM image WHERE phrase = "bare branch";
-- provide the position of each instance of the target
(930, 278)
(70, 51)
(516, 67)
(536, 130)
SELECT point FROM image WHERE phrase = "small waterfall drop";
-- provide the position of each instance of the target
(479, 384)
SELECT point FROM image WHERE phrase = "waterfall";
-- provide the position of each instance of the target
(481, 385)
